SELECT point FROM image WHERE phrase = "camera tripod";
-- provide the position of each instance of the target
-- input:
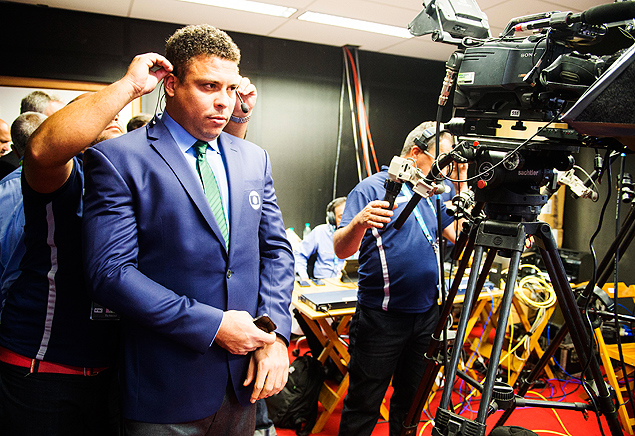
(621, 242)
(508, 238)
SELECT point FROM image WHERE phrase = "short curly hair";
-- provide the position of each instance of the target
(195, 40)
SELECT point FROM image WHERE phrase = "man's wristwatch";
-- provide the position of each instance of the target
(239, 120)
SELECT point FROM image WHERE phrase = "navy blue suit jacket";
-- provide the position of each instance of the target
(153, 253)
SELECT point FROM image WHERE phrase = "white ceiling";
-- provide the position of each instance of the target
(392, 12)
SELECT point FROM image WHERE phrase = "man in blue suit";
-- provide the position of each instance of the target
(184, 239)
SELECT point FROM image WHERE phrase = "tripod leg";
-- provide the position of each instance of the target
(451, 367)
(482, 278)
(496, 235)
(605, 267)
(499, 338)
(621, 242)
(432, 365)
(573, 318)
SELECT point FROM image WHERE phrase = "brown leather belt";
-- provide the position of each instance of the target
(34, 365)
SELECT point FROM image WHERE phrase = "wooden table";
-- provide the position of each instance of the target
(330, 338)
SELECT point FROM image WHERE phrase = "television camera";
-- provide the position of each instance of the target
(576, 68)
(527, 78)
(548, 76)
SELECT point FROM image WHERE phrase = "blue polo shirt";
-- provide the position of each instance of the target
(398, 270)
(47, 310)
(11, 231)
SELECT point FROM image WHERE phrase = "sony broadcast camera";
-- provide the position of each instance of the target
(526, 78)
(573, 67)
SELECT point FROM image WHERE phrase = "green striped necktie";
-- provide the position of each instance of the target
(210, 186)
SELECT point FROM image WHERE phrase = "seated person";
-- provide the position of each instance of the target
(327, 265)
(320, 241)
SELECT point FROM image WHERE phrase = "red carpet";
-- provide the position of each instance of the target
(540, 420)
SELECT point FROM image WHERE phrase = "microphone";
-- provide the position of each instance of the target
(608, 13)
(429, 179)
(243, 105)
(393, 188)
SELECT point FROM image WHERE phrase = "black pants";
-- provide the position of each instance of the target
(58, 404)
(384, 345)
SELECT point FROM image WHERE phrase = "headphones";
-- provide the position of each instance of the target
(430, 132)
(330, 210)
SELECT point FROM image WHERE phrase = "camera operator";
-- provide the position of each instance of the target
(397, 309)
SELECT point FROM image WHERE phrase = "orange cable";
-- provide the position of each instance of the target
(365, 115)
(360, 115)
(359, 109)
(370, 139)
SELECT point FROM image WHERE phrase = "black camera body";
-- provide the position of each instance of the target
(536, 78)
(549, 76)
(526, 79)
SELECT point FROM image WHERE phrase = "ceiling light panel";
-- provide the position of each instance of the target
(248, 6)
(351, 23)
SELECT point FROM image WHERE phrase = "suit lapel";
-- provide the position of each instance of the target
(235, 178)
(162, 142)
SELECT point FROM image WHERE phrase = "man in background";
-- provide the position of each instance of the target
(425, 133)
(184, 239)
(11, 207)
(40, 101)
(8, 159)
(36, 101)
(5, 138)
(320, 242)
(57, 366)
(137, 121)
(397, 309)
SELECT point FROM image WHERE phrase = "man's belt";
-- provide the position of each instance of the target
(35, 365)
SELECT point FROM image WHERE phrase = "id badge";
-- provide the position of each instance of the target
(101, 313)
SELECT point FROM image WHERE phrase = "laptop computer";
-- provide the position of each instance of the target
(330, 300)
